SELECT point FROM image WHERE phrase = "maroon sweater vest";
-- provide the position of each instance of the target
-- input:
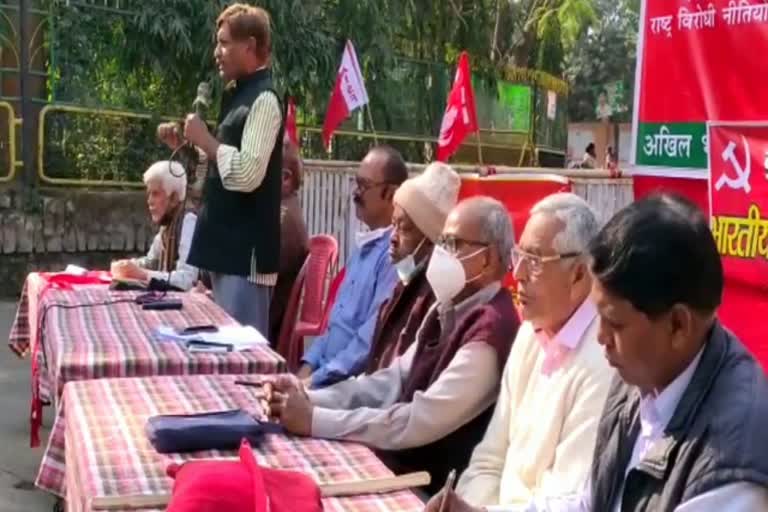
(494, 323)
(399, 319)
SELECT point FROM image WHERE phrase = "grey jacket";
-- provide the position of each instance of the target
(718, 435)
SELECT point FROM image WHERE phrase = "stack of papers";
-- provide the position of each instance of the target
(228, 338)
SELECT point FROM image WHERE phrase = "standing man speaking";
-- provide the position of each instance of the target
(237, 238)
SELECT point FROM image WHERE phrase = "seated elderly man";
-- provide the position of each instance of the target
(540, 440)
(431, 406)
(683, 425)
(294, 240)
(343, 350)
(167, 257)
(421, 207)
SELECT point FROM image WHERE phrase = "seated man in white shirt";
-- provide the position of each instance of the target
(431, 406)
(683, 429)
(167, 257)
(541, 437)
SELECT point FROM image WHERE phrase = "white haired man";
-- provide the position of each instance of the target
(167, 257)
(539, 443)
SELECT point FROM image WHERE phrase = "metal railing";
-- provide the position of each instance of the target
(11, 163)
(104, 115)
(94, 142)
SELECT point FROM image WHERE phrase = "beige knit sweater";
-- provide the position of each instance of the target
(542, 434)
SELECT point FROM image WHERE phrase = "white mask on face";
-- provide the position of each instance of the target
(446, 274)
(363, 238)
(407, 267)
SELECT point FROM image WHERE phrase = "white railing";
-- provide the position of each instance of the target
(326, 195)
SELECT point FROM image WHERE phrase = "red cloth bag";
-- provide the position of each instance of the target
(241, 486)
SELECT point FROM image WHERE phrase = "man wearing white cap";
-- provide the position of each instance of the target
(431, 406)
(421, 206)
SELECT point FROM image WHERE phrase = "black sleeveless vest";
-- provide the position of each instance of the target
(234, 227)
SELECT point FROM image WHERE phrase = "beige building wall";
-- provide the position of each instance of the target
(603, 135)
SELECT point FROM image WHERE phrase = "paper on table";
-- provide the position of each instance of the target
(241, 337)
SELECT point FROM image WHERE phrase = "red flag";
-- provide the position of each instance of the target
(290, 122)
(348, 93)
(460, 116)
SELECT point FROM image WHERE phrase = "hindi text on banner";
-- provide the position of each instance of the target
(664, 143)
(661, 24)
(741, 237)
(744, 13)
(687, 20)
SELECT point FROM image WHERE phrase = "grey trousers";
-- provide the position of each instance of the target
(246, 302)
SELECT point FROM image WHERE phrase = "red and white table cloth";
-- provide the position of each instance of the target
(98, 447)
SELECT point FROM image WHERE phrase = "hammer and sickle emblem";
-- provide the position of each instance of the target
(741, 180)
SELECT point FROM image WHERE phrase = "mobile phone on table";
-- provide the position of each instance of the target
(196, 329)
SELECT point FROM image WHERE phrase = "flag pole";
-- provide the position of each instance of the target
(373, 128)
(479, 147)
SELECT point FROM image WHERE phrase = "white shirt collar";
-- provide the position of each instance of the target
(657, 411)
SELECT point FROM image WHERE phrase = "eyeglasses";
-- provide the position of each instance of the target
(363, 185)
(535, 262)
(453, 244)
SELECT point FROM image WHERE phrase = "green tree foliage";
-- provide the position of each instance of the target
(606, 53)
(538, 33)
(149, 55)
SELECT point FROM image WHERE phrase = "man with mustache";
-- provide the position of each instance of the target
(237, 238)
(369, 275)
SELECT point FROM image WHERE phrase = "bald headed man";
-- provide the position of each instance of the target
(431, 406)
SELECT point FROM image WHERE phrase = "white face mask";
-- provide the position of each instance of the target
(407, 267)
(363, 238)
(446, 274)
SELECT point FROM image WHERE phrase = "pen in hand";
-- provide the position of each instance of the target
(447, 489)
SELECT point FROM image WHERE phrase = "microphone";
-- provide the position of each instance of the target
(203, 100)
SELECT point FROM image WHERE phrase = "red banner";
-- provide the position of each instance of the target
(697, 62)
(518, 192)
(701, 63)
(738, 186)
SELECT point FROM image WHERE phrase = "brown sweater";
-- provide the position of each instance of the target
(495, 323)
(294, 247)
(399, 319)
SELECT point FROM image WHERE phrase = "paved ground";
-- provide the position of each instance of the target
(18, 462)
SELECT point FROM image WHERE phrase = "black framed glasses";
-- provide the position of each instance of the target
(453, 244)
(535, 262)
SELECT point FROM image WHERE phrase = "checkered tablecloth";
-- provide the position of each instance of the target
(117, 340)
(24, 329)
(98, 446)
(90, 332)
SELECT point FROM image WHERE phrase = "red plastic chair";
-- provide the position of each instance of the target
(285, 338)
(333, 290)
(323, 257)
(310, 318)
